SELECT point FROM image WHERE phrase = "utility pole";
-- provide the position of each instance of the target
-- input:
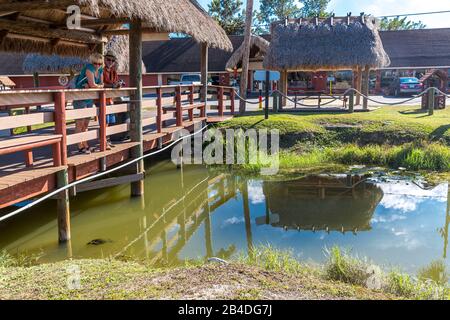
(246, 55)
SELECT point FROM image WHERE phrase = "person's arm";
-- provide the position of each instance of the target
(91, 80)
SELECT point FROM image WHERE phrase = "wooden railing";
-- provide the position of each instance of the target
(177, 103)
(222, 94)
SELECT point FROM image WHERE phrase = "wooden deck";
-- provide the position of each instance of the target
(21, 180)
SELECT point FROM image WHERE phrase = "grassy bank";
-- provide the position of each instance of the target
(390, 136)
(265, 274)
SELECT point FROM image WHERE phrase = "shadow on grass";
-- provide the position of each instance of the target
(440, 132)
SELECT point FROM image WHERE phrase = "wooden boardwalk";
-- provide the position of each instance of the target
(30, 162)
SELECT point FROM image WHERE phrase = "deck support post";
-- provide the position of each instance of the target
(204, 73)
(136, 132)
(63, 207)
(365, 87)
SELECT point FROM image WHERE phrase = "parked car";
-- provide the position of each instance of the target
(188, 79)
(405, 86)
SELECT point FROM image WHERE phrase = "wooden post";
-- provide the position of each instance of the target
(179, 110)
(246, 54)
(60, 122)
(102, 121)
(136, 134)
(62, 203)
(233, 98)
(365, 87)
(63, 207)
(358, 83)
(351, 102)
(36, 85)
(247, 218)
(220, 100)
(204, 74)
(159, 110)
(275, 101)
(431, 101)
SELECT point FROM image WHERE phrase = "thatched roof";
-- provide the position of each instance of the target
(299, 206)
(60, 64)
(40, 26)
(326, 44)
(7, 82)
(258, 48)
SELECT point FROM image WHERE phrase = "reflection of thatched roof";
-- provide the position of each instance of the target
(39, 26)
(339, 45)
(299, 205)
(60, 64)
(258, 46)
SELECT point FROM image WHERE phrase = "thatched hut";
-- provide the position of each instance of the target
(327, 44)
(258, 49)
(40, 26)
(37, 63)
(324, 203)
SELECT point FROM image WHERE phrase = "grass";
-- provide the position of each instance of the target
(266, 273)
(390, 136)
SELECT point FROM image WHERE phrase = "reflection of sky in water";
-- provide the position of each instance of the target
(405, 228)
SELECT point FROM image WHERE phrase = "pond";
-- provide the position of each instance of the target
(197, 212)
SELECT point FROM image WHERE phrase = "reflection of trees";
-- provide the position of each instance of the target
(328, 203)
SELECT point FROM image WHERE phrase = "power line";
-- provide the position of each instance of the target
(415, 14)
(390, 16)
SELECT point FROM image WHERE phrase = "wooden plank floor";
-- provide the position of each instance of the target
(19, 183)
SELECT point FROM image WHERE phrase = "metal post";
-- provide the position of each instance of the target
(275, 101)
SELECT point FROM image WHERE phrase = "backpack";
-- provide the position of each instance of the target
(74, 82)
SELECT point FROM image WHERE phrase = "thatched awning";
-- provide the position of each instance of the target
(258, 47)
(40, 26)
(61, 64)
(326, 45)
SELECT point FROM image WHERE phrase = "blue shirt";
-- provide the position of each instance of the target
(82, 78)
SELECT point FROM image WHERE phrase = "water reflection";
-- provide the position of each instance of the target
(197, 213)
(321, 203)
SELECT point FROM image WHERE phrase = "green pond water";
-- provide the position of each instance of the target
(197, 213)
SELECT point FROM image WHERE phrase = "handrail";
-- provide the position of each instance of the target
(57, 116)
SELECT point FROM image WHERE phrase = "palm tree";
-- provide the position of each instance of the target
(245, 60)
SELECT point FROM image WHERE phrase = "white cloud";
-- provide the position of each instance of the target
(232, 221)
(405, 197)
(255, 192)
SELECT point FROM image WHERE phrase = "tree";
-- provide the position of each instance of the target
(314, 8)
(273, 10)
(400, 24)
(246, 54)
(229, 15)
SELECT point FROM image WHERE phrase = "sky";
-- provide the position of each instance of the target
(389, 7)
